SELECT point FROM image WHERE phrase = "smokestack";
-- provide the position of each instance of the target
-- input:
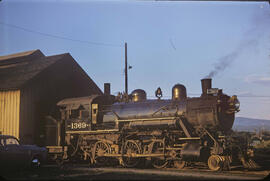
(206, 84)
(107, 89)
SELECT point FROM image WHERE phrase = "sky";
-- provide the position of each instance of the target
(168, 43)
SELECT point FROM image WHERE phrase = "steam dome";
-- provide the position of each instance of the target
(179, 92)
(138, 95)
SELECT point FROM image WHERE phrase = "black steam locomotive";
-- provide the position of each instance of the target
(132, 130)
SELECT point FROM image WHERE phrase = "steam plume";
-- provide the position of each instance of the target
(225, 61)
(261, 25)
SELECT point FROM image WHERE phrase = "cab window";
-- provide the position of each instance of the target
(84, 114)
(79, 113)
(74, 113)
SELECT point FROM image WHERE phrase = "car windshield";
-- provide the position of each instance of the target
(2, 142)
(12, 141)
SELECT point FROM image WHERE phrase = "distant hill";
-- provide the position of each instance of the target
(250, 124)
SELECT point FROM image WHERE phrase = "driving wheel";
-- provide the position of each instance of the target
(130, 149)
(100, 149)
(158, 162)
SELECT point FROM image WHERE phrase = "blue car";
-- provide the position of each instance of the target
(14, 154)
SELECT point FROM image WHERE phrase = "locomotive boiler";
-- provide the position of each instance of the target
(213, 110)
(133, 130)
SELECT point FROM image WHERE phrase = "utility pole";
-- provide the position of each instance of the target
(126, 74)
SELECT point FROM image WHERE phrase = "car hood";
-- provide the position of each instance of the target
(34, 147)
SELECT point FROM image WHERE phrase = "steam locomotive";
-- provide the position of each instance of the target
(132, 130)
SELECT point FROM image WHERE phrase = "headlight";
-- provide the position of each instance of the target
(237, 104)
(234, 105)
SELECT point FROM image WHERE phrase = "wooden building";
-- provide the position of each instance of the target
(30, 86)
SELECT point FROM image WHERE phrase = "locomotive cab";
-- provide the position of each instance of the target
(83, 113)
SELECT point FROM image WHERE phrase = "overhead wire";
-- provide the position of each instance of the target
(61, 37)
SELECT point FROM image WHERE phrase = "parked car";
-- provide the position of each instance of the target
(14, 154)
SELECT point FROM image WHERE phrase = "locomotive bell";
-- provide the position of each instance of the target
(206, 84)
(179, 92)
(138, 95)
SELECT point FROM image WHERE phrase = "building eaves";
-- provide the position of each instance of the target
(18, 58)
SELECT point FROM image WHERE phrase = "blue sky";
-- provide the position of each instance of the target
(168, 43)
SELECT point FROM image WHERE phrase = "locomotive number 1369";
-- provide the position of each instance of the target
(79, 125)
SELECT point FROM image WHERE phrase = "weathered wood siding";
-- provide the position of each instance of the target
(9, 112)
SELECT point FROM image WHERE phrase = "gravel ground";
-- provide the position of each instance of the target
(84, 172)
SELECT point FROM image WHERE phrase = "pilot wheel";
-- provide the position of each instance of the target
(215, 162)
(179, 164)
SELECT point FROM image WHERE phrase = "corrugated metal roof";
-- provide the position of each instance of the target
(16, 70)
